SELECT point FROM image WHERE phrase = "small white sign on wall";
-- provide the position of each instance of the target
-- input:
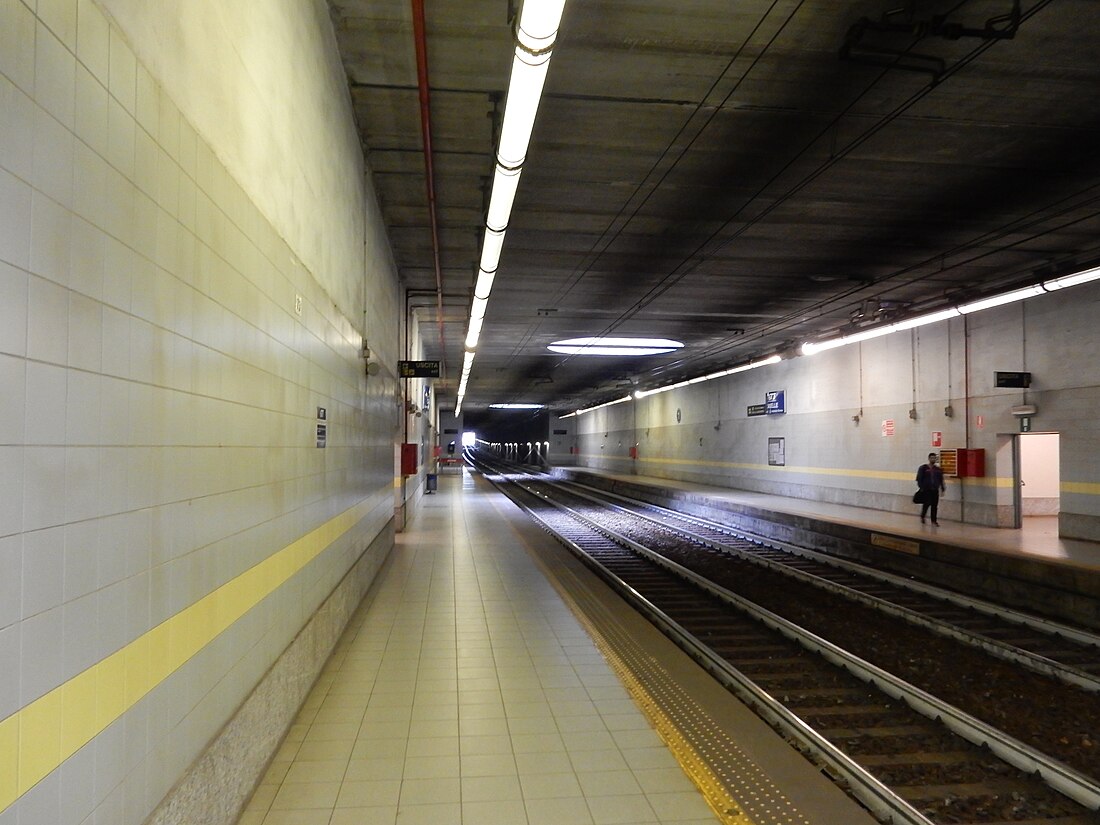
(888, 428)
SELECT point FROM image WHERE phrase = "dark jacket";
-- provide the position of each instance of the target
(930, 477)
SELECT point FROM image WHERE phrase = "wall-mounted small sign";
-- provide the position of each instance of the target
(322, 414)
(756, 409)
(561, 432)
(418, 369)
(888, 428)
(322, 435)
(775, 402)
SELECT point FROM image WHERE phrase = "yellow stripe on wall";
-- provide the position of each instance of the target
(1087, 488)
(999, 482)
(36, 739)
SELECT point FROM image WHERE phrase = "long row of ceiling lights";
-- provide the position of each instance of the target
(810, 348)
(535, 34)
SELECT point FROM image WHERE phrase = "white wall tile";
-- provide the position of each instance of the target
(89, 185)
(13, 399)
(10, 642)
(168, 185)
(54, 157)
(111, 610)
(146, 158)
(123, 83)
(54, 76)
(17, 26)
(84, 490)
(109, 770)
(91, 110)
(82, 418)
(16, 130)
(46, 389)
(116, 360)
(15, 221)
(43, 570)
(42, 803)
(60, 17)
(81, 559)
(40, 654)
(136, 596)
(85, 333)
(88, 258)
(119, 206)
(43, 487)
(78, 784)
(47, 321)
(168, 126)
(13, 310)
(11, 489)
(11, 591)
(93, 39)
(122, 130)
(148, 102)
(118, 274)
(51, 233)
(81, 629)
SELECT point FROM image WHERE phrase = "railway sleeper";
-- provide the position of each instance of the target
(1039, 806)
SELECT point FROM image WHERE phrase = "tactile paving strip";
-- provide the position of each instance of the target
(733, 785)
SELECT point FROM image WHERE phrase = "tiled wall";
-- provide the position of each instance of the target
(167, 523)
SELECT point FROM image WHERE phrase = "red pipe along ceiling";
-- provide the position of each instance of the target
(421, 41)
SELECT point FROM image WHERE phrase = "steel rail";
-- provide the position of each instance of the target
(1061, 777)
(1002, 650)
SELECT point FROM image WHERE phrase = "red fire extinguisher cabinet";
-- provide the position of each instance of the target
(410, 459)
(971, 463)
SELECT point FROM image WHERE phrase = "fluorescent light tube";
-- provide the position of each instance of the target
(524, 94)
(491, 248)
(505, 184)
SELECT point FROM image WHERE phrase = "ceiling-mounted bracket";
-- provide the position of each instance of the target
(905, 22)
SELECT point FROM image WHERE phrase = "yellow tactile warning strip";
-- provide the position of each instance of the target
(732, 784)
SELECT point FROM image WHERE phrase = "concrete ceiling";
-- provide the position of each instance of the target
(740, 176)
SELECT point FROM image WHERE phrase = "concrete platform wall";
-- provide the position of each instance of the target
(190, 256)
(861, 418)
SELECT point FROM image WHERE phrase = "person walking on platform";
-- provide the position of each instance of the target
(930, 484)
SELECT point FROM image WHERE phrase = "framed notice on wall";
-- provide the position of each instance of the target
(777, 452)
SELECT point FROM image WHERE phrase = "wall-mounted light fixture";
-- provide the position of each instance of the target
(597, 407)
(1083, 277)
(763, 362)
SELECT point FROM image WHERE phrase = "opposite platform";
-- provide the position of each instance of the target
(490, 678)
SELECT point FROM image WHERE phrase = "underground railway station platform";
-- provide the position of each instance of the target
(489, 678)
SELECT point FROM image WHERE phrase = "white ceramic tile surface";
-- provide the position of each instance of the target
(465, 691)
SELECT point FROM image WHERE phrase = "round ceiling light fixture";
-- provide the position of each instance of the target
(615, 346)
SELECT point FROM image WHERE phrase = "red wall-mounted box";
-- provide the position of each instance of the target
(410, 459)
(971, 463)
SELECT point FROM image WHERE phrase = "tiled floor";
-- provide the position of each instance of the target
(465, 691)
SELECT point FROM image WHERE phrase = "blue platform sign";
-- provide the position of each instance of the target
(775, 402)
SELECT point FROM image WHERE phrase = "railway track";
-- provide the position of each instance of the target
(1051, 648)
(907, 755)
